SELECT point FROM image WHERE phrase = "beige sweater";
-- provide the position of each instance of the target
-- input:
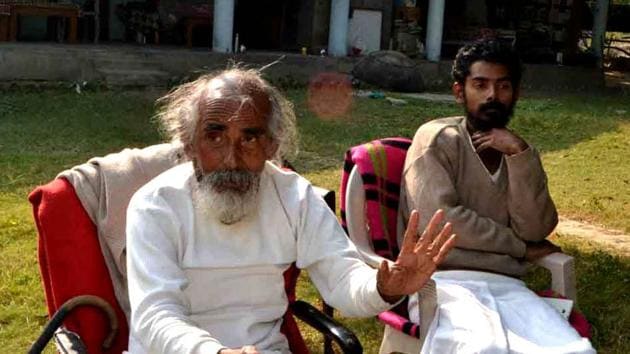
(492, 217)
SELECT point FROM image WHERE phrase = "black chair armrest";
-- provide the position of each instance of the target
(330, 328)
(57, 320)
(327, 195)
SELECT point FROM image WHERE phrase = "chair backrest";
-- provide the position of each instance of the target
(356, 220)
(72, 264)
(370, 192)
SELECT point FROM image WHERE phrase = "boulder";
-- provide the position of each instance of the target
(390, 70)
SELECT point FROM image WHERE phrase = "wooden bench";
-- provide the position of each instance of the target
(5, 13)
(47, 10)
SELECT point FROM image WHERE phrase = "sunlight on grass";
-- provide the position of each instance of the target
(599, 185)
(585, 143)
(22, 310)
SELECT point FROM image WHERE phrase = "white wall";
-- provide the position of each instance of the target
(365, 30)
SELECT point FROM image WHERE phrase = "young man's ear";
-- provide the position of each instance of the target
(458, 92)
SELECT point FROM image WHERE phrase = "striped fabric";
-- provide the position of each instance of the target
(380, 163)
(400, 323)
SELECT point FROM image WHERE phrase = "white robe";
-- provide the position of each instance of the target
(481, 312)
(196, 285)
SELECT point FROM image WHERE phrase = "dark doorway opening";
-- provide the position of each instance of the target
(267, 24)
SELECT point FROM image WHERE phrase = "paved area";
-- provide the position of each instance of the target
(606, 238)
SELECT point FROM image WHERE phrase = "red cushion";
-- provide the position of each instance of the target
(289, 325)
(71, 263)
(576, 318)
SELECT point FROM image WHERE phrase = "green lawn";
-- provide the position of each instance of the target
(585, 142)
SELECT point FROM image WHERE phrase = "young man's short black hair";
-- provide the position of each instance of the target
(489, 50)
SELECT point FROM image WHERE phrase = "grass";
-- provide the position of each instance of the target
(584, 141)
(42, 134)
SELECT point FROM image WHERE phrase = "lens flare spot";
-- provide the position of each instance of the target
(329, 95)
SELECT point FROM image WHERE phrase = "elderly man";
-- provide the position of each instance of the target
(492, 187)
(209, 240)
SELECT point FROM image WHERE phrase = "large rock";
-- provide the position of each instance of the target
(390, 70)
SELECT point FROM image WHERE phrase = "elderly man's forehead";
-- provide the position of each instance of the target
(227, 90)
(234, 84)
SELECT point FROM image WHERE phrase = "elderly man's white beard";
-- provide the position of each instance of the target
(228, 196)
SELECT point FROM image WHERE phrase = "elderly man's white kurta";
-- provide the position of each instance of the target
(196, 285)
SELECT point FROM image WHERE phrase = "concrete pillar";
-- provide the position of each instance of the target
(223, 26)
(338, 31)
(600, 18)
(435, 24)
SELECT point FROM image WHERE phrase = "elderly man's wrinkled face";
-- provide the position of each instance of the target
(230, 146)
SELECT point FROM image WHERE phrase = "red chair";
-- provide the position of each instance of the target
(72, 266)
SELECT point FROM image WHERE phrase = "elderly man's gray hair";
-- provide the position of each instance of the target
(179, 110)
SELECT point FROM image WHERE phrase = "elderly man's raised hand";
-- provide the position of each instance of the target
(419, 257)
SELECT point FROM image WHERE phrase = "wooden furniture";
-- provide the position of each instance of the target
(190, 23)
(95, 13)
(69, 11)
(5, 13)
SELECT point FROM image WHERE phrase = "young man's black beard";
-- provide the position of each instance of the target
(497, 115)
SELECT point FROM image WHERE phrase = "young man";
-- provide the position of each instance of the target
(208, 241)
(493, 190)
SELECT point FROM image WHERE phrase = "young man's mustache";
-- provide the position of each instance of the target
(493, 106)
